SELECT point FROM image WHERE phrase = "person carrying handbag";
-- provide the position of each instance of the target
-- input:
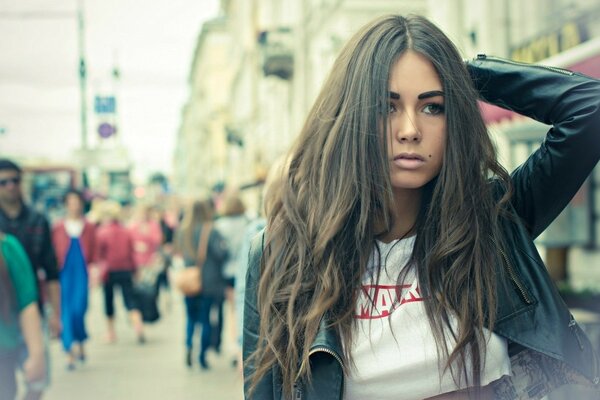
(204, 252)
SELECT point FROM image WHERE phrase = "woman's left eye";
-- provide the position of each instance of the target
(434, 109)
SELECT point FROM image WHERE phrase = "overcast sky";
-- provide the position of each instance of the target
(151, 42)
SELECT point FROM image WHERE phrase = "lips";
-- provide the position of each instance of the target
(409, 160)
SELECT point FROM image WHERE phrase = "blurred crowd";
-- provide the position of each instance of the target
(141, 252)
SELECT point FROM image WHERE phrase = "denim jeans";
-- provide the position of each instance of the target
(198, 313)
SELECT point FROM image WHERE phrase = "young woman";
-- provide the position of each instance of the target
(74, 242)
(232, 225)
(115, 256)
(196, 222)
(398, 260)
(19, 318)
(147, 237)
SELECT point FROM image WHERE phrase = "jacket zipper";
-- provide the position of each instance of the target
(546, 67)
(513, 274)
(573, 327)
(298, 386)
(326, 350)
(297, 391)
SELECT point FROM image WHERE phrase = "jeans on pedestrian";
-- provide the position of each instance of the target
(198, 313)
(217, 333)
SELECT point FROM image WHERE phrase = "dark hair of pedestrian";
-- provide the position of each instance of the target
(74, 192)
(198, 214)
(336, 200)
(233, 204)
(6, 164)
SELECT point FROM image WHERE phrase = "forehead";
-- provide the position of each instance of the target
(412, 74)
(72, 197)
(8, 173)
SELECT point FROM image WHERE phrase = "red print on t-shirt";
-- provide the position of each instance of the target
(379, 301)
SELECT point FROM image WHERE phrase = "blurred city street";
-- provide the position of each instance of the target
(142, 139)
(155, 370)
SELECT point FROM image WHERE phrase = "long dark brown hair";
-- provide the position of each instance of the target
(200, 213)
(337, 195)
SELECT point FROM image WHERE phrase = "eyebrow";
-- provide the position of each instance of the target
(425, 95)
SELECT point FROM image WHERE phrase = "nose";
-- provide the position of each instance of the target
(407, 129)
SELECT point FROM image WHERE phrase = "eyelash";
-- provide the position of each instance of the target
(438, 108)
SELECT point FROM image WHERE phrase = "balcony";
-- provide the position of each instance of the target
(277, 52)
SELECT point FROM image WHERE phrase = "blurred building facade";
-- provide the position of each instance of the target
(276, 56)
(259, 67)
(200, 152)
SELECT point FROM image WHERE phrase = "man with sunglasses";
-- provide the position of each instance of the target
(33, 232)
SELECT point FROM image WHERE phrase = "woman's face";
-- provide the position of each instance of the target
(416, 122)
(73, 205)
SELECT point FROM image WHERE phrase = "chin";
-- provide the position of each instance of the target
(408, 185)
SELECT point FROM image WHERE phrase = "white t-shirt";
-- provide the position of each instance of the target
(74, 227)
(401, 362)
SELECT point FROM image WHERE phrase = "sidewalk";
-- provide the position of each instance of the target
(155, 370)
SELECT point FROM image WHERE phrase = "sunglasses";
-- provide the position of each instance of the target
(15, 181)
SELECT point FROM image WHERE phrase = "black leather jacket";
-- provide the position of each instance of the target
(533, 315)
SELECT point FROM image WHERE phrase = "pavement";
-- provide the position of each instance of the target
(154, 370)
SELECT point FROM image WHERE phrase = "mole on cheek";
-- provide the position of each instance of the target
(430, 156)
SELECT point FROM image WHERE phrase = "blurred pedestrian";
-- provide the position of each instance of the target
(32, 230)
(198, 221)
(253, 228)
(74, 241)
(166, 250)
(398, 259)
(19, 319)
(231, 224)
(147, 237)
(114, 255)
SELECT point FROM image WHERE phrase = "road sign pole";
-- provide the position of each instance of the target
(82, 75)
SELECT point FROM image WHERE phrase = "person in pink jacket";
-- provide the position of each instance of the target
(147, 237)
(115, 255)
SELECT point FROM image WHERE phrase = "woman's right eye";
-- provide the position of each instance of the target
(392, 108)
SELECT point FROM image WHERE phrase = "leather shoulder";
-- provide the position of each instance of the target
(255, 254)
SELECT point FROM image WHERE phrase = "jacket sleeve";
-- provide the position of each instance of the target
(20, 271)
(56, 233)
(570, 103)
(90, 247)
(264, 390)
(47, 256)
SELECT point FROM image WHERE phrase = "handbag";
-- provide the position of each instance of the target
(189, 280)
(146, 296)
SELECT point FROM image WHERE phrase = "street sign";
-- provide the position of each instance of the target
(105, 104)
(106, 130)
